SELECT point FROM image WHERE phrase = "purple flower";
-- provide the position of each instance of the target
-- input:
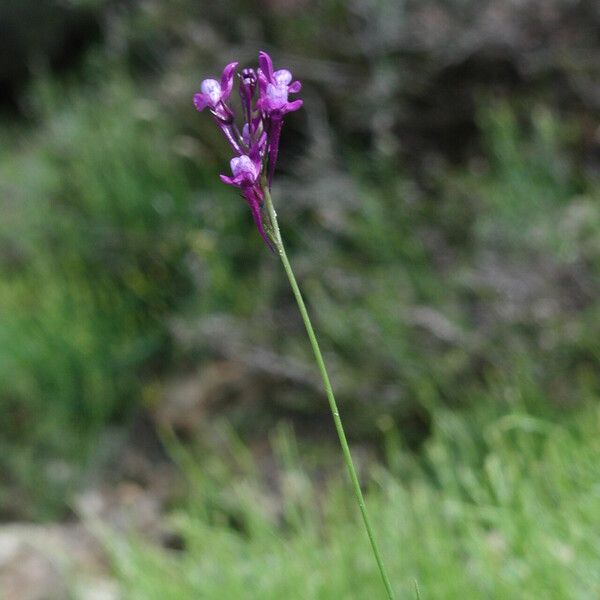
(256, 147)
(274, 89)
(246, 176)
(245, 171)
(214, 94)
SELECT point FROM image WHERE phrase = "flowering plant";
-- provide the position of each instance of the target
(257, 145)
(264, 95)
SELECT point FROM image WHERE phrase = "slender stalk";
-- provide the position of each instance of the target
(276, 236)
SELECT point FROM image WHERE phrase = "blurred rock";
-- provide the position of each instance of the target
(39, 562)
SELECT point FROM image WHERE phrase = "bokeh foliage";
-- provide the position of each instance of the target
(439, 199)
(500, 504)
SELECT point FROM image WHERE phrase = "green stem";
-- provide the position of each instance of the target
(329, 391)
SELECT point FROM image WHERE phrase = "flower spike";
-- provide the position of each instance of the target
(256, 147)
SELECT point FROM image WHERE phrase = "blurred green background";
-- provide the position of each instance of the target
(439, 196)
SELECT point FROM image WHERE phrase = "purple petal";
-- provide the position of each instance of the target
(245, 167)
(282, 77)
(276, 96)
(246, 134)
(262, 82)
(227, 80)
(212, 91)
(266, 65)
(227, 180)
(200, 101)
(292, 106)
(294, 87)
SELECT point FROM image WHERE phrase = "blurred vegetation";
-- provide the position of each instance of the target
(439, 194)
(499, 505)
